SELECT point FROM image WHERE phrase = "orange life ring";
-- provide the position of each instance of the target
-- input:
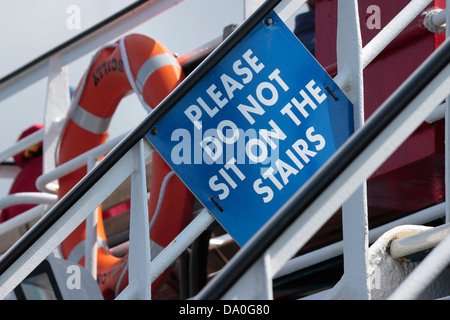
(155, 73)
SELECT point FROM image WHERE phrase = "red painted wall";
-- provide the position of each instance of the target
(413, 177)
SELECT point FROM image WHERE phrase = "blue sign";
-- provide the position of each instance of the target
(254, 129)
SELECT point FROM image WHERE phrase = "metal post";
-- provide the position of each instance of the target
(192, 231)
(139, 254)
(447, 133)
(90, 249)
(56, 107)
(256, 285)
(354, 210)
(53, 235)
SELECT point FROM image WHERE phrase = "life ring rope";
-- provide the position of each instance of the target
(126, 64)
(162, 191)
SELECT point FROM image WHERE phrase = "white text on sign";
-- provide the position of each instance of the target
(258, 143)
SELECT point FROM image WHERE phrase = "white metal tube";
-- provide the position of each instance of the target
(22, 145)
(439, 18)
(56, 106)
(139, 257)
(90, 249)
(354, 210)
(437, 114)
(75, 163)
(425, 273)
(22, 219)
(384, 38)
(447, 129)
(418, 242)
(180, 243)
(27, 198)
(130, 292)
(335, 249)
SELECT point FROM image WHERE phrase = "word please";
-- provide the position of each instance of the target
(218, 98)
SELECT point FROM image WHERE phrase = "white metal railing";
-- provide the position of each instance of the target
(22, 145)
(336, 249)
(421, 241)
(72, 218)
(93, 39)
(273, 264)
(43, 183)
(45, 200)
(23, 218)
(131, 164)
(348, 17)
(70, 52)
(350, 79)
(330, 200)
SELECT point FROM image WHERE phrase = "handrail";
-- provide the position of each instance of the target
(418, 242)
(22, 145)
(336, 249)
(23, 218)
(74, 48)
(27, 198)
(342, 159)
(76, 163)
(71, 41)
